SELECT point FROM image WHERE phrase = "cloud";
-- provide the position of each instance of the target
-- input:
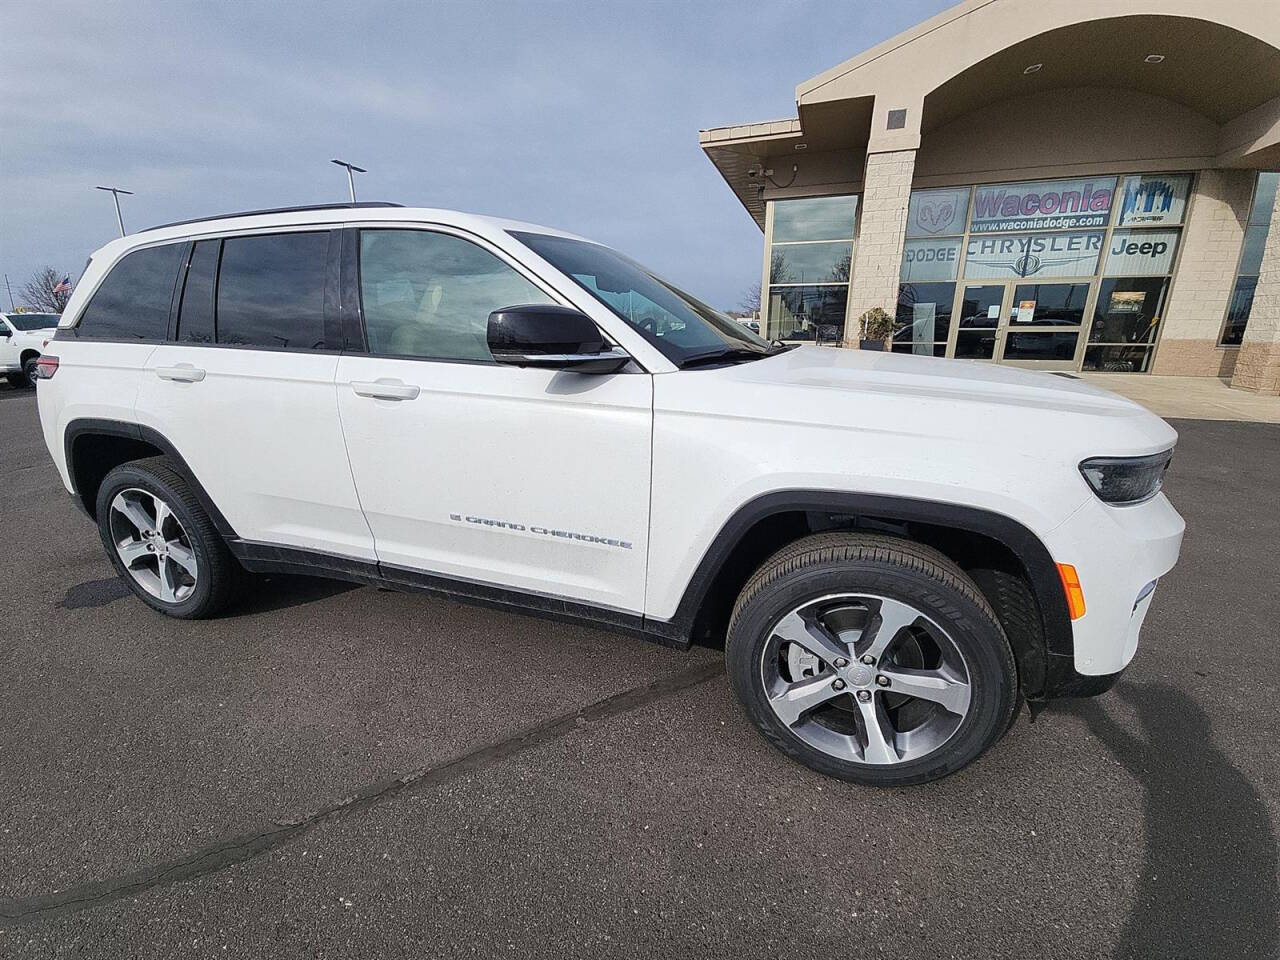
(581, 116)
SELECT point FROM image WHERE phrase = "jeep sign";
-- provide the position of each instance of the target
(1141, 253)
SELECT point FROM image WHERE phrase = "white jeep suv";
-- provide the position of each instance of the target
(22, 339)
(896, 551)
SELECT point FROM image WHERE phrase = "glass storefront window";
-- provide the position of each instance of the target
(1117, 359)
(924, 315)
(810, 253)
(808, 313)
(814, 218)
(1049, 303)
(1128, 310)
(810, 263)
(1255, 239)
(1040, 346)
(1039, 254)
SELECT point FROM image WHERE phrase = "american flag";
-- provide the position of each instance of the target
(64, 286)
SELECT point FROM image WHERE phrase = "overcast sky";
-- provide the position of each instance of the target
(579, 115)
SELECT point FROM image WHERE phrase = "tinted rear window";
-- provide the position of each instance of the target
(33, 321)
(271, 290)
(133, 301)
(195, 315)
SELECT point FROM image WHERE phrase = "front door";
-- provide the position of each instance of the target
(1041, 324)
(525, 479)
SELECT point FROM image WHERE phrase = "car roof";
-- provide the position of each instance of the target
(330, 216)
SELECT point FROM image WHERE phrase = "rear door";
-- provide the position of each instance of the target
(102, 356)
(535, 480)
(245, 389)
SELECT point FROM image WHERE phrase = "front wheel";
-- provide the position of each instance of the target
(871, 658)
(162, 542)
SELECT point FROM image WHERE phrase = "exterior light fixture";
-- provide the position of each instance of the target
(1154, 58)
(351, 181)
(1034, 68)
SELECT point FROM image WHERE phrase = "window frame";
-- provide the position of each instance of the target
(329, 310)
(355, 326)
(73, 329)
(1236, 274)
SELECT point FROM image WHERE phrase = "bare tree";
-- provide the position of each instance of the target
(41, 291)
(750, 302)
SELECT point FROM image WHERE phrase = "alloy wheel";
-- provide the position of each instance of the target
(153, 546)
(865, 678)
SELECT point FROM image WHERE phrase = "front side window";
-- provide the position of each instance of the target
(271, 291)
(132, 303)
(429, 295)
(683, 328)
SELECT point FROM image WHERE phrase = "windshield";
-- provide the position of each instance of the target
(32, 321)
(686, 330)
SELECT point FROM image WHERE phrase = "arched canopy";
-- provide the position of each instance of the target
(1217, 66)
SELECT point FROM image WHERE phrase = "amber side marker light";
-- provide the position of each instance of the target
(1072, 589)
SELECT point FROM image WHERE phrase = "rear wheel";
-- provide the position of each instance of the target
(162, 542)
(871, 658)
(29, 371)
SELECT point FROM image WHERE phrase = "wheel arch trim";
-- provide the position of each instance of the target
(1028, 548)
(91, 427)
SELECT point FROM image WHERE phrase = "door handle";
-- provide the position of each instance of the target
(386, 389)
(182, 373)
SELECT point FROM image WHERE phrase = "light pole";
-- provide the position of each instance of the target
(351, 181)
(115, 195)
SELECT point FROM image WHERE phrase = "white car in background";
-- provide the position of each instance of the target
(22, 340)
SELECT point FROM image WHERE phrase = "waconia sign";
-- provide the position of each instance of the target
(1043, 205)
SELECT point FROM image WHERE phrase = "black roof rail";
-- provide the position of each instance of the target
(257, 213)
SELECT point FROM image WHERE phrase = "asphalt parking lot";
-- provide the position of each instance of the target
(332, 771)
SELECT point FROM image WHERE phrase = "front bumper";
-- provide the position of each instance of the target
(1119, 553)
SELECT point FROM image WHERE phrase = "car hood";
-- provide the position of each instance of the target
(937, 397)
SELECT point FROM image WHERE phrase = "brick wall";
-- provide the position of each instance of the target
(1197, 304)
(883, 224)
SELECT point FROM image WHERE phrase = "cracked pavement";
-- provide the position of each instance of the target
(333, 771)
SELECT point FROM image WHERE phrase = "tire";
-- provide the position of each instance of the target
(833, 592)
(29, 372)
(161, 574)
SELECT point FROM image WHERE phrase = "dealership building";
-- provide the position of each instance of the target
(1061, 184)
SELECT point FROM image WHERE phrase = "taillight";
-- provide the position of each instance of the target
(46, 367)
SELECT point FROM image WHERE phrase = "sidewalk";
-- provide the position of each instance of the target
(1191, 398)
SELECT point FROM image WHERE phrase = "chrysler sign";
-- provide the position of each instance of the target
(1035, 255)
(1043, 205)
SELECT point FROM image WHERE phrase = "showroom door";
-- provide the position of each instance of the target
(1041, 324)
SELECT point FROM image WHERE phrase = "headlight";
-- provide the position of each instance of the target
(1126, 480)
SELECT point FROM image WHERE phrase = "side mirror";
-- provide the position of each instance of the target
(551, 336)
